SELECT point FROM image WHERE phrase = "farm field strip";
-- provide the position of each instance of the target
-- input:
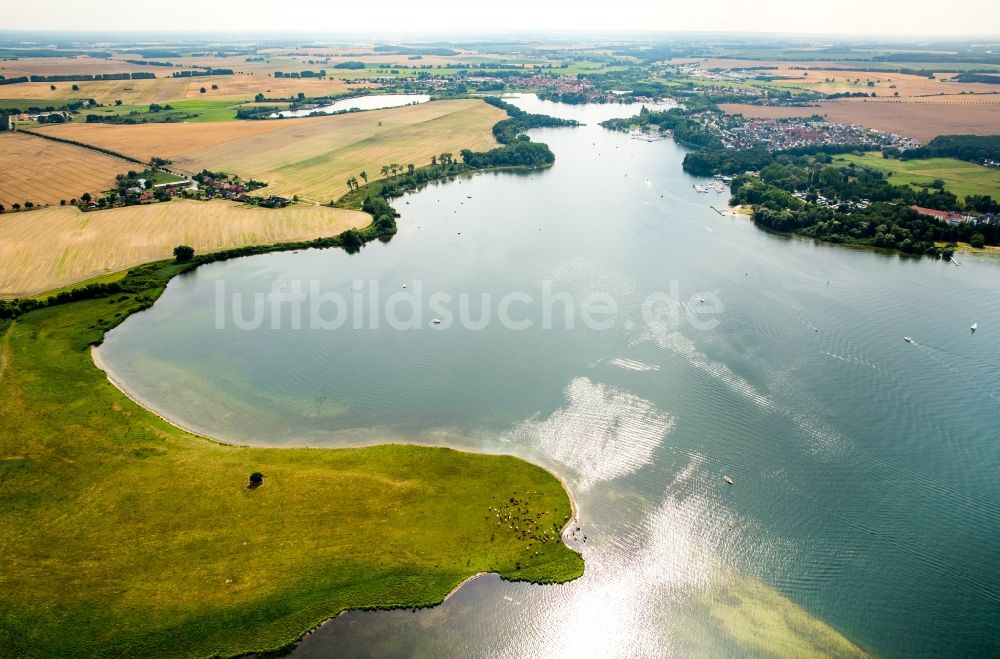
(47, 66)
(164, 89)
(921, 121)
(45, 172)
(53, 247)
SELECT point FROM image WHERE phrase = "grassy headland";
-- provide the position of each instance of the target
(125, 536)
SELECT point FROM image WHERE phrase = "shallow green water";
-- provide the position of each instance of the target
(867, 489)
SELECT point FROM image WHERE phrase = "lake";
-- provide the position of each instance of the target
(865, 502)
(372, 102)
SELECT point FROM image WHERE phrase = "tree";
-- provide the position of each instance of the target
(16, 206)
(256, 480)
(386, 224)
(76, 88)
(385, 171)
(2, 208)
(434, 161)
(85, 197)
(202, 90)
(364, 175)
(118, 101)
(982, 203)
(410, 168)
(52, 87)
(351, 240)
(183, 253)
(259, 98)
(29, 205)
(215, 86)
(977, 240)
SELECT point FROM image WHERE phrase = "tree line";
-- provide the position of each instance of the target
(971, 148)
(85, 77)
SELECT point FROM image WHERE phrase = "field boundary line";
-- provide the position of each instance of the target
(83, 145)
(5, 348)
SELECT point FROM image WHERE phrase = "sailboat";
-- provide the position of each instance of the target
(974, 327)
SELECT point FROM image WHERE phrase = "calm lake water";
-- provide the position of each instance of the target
(372, 102)
(866, 496)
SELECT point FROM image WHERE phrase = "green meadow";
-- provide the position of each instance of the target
(960, 177)
(124, 536)
(205, 109)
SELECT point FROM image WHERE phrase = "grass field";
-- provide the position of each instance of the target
(961, 178)
(125, 536)
(310, 157)
(45, 172)
(55, 247)
(207, 109)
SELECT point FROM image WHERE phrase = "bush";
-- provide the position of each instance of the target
(977, 240)
(385, 224)
(183, 253)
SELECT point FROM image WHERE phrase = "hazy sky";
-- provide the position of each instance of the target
(881, 17)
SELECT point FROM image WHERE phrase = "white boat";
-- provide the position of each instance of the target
(700, 188)
(908, 339)
(728, 479)
(436, 321)
(974, 327)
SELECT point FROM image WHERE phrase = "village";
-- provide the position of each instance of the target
(142, 188)
(739, 132)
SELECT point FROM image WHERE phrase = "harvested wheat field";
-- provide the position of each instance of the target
(884, 84)
(129, 92)
(54, 247)
(824, 78)
(164, 88)
(310, 157)
(248, 86)
(45, 172)
(48, 66)
(920, 120)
